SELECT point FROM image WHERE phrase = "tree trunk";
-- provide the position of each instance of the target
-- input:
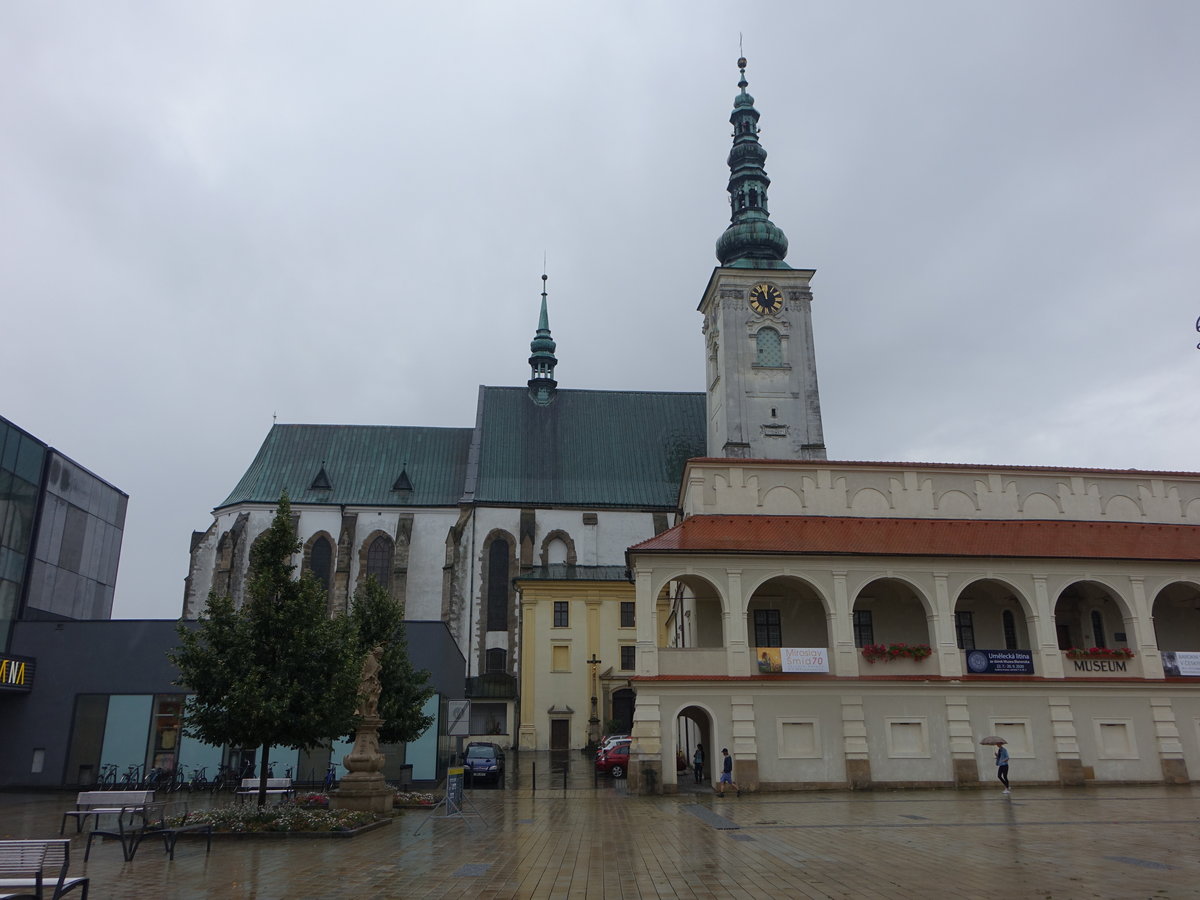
(263, 768)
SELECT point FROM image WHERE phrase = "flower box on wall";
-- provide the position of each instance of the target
(1099, 653)
(873, 653)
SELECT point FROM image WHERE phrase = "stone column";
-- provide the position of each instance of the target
(364, 788)
(950, 658)
(841, 631)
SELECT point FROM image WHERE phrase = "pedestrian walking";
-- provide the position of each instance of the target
(727, 774)
(698, 763)
(1002, 767)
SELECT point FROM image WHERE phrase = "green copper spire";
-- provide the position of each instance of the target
(542, 360)
(751, 240)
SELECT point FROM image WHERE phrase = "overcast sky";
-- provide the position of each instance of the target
(213, 213)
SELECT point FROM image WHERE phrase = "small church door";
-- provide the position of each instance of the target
(560, 734)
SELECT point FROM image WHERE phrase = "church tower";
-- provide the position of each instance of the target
(762, 399)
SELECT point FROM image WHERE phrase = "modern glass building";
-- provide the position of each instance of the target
(60, 534)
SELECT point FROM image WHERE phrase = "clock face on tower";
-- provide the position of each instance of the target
(766, 299)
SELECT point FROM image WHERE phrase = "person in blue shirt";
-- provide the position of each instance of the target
(727, 775)
(1002, 767)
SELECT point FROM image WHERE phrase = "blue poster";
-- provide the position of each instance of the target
(1000, 662)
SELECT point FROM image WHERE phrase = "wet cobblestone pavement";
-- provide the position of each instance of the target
(599, 842)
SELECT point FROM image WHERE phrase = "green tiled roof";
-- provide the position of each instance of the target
(564, 572)
(362, 463)
(586, 448)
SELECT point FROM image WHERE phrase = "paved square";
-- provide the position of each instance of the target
(1138, 841)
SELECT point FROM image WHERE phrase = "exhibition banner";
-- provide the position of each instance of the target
(792, 659)
(1000, 662)
(1181, 662)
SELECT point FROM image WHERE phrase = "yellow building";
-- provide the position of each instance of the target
(578, 638)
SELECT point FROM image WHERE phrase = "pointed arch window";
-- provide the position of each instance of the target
(497, 586)
(379, 560)
(770, 348)
(321, 561)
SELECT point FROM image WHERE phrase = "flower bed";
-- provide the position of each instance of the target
(887, 652)
(414, 798)
(1099, 653)
(289, 818)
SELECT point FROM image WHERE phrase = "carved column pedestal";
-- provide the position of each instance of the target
(364, 788)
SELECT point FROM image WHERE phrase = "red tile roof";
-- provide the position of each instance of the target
(848, 535)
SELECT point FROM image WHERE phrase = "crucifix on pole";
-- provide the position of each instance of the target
(594, 721)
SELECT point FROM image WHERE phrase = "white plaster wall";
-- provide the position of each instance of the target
(951, 492)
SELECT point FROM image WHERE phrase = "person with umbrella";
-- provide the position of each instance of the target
(1001, 759)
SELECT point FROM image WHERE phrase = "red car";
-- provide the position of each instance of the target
(615, 761)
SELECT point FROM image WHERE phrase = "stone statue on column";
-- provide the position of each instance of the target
(364, 787)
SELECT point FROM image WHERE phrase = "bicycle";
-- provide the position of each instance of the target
(156, 780)
(199, 781)
(330, 778)
(108, 777)
(132, 780)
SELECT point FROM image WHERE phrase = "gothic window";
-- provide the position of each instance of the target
(379, 559)
(1010, 629)
(864, 628)
(767, 632)
(497, 586)
(770, 348)
(964, 630)
(321, 561)
(495, 660)
(1098, 629)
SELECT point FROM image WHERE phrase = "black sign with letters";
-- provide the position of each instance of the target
(16, 673)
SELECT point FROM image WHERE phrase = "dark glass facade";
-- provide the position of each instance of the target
(22, 459)
(60, 534)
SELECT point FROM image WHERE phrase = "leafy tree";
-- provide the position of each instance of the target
(278, 672)
(379, 619)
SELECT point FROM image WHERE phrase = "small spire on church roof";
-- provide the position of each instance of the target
(542, 359)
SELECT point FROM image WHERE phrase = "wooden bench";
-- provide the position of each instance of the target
(98, 803)
(37, 869)
(281, 786)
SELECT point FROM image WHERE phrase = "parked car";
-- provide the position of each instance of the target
(614, 761)
(485, 761)
(612, 740)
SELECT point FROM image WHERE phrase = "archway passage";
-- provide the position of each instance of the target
(1176, 614)
(692, 609)
(693, 730)
(1088, 614)
(623, 703)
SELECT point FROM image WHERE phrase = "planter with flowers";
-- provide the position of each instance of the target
(1099, 653)
(873, 653)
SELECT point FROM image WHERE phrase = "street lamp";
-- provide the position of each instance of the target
(594, 721)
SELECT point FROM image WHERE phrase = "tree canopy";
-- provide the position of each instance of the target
(278, 671)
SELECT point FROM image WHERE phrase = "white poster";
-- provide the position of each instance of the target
(1181, 662)
(804, 659)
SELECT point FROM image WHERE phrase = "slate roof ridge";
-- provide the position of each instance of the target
(494, 387)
